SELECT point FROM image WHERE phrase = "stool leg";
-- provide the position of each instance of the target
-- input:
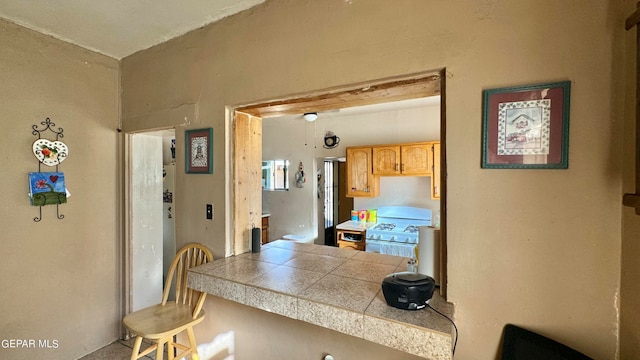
(136, 348)
(160, 349)
(170, 348)
(192, 344)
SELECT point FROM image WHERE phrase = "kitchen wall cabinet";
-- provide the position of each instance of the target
(360, 179)
(403, 159)
(416, 159)
(365, 165)
(386, 160)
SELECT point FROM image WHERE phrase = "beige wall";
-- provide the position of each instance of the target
(539, 248)
(261, 335)
(59, 277)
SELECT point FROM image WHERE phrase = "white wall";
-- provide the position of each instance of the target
(294, 139)
(401, 190)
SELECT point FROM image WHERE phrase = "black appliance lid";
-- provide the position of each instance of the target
(409, 278)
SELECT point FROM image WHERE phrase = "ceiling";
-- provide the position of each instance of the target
(118, 28)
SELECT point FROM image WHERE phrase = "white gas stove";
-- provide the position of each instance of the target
(396, 232)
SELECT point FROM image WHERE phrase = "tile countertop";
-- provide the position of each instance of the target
(339, 289)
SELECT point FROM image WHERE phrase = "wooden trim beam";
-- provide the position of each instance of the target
(633, 19)
(246, 179)
(633, 200)
(370, 94)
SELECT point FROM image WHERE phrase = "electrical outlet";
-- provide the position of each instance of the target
(209, 211)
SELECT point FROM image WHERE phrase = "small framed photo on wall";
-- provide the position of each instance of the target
(526, 127)
(199, 151)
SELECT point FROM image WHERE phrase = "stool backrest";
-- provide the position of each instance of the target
(190, 255)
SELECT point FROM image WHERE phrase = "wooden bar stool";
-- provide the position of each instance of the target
(160, 323)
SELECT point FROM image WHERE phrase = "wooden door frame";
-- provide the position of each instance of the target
(412, 86)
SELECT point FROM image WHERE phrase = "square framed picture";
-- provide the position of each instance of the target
(526, 127)
(47, 188)
(199, 151)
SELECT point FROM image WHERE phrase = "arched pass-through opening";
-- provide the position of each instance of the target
(246, 154)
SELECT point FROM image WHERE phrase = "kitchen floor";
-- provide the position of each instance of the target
(118, 350)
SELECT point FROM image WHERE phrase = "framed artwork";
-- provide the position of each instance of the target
(199, 151)
(47, 188)
(526, 127)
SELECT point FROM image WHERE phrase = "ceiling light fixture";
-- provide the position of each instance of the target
(310, 117)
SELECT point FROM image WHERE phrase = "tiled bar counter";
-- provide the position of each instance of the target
(338, 289)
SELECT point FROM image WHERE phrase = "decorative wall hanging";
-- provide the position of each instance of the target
(48, 188)
(300, 176)
(199, 151)
(50, 153)
(526, 127)
(331, 140)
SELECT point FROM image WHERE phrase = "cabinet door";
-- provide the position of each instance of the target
(435, 178)
(386, 160)
(265, 229)
(352, 245)
(360, 179)
(416, 159)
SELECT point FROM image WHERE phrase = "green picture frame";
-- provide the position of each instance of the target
(199, 151)
(526, 127)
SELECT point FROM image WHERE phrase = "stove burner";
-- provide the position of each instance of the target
(385, 226)
(411, 229)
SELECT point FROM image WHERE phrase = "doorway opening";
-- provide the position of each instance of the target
(151, 221)
(246, 127)
(326, 192)
(336, 206)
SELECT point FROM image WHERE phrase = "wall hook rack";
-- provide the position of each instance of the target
(50, 153)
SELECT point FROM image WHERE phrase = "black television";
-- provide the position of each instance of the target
(522, 344)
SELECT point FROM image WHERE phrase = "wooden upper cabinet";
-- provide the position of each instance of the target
(360, 179)
(435, 178)
(365, 165)
(416, 159)
(386, 160)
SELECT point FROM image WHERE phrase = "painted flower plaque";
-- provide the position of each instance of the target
(50, 153)
(47, 188)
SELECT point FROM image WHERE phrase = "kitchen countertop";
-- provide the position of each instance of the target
(339, 289)
(354, 225)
